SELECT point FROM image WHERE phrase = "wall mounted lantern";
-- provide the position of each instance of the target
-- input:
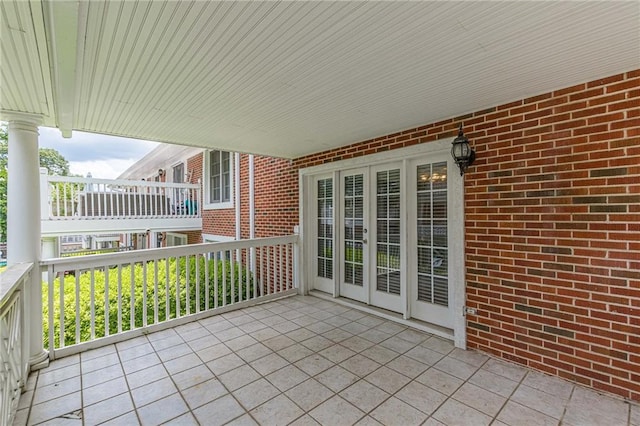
(461, 152)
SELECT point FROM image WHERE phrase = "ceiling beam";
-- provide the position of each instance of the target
(62, 20)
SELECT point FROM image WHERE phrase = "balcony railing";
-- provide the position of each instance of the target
(96, 300)
(66, 201)
(13, 339)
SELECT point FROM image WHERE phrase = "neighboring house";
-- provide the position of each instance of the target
(543, 232)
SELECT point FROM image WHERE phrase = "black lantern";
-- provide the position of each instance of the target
(461, 152)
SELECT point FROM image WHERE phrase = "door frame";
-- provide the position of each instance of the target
(456, 218)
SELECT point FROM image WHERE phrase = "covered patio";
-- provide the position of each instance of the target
(302, 360)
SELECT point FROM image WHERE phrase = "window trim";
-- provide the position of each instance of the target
(184, 171)
(208, 205)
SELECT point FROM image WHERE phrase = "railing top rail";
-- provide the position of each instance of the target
(10, 279)
(89, 261)
(123, 182)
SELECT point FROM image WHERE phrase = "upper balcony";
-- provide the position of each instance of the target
(77, 205)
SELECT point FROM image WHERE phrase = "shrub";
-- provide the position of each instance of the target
(127, 287)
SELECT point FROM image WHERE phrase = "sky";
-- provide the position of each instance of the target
(104, 156)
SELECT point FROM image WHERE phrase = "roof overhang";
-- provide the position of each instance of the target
(293, 78)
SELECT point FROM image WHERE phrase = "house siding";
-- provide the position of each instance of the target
(552, 228)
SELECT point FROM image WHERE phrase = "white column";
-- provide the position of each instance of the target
(23, 221)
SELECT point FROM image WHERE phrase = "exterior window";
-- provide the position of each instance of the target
(178, 173)
(218, 179)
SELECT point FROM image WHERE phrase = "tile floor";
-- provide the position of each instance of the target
(303, 361)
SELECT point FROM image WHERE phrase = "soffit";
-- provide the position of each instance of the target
(293, 78)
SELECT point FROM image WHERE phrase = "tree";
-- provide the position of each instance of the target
(49, 158)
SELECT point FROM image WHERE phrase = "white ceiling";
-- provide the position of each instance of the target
(293, 78)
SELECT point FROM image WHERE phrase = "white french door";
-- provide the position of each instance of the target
(354, 227)
(323, 246)
(430, 233)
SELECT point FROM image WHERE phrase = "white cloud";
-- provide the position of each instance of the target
(104, 156)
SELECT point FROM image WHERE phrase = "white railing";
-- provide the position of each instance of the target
(96, 300)
(13, 351)
(75, 198)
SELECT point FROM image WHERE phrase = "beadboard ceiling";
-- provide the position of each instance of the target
(293, 78)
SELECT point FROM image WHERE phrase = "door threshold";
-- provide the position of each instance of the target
(434, 329)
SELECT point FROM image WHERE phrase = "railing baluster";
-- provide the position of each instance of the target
(61, 301)
(167, 301)
(197, 256)
(247, 273)
(52, 277)
(132, 299)
(93, 303)
(232, 264)
(215, 280)
(287, 248)
(224, 280)
(280, 268)
(119, 298)
(106, 301)
(144, 294)
(206, 282)
(178, 287)
(155, 292)
(77, 308)
(262, 289)
(187, 296)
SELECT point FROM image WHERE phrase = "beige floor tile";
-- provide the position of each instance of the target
(480, 399)
(97, 353)
(253, 352)
(456, 368)
(130, 353)
(295, 352)
(396, 412)
(493, 382)
(277, 411)
(285, 327)
(320, 327)
(439, 345)
(148, 375)
(379, 354)
(55, 408)
(63, 362)
(239, 377)
(174, 352)
(368, 421)
(355, 328)
(166, 343)
(203, 393)
(129, 419)
(407, 366)
(387, 379)
(225, 363)
(397, 344)
(338, 335)
(245, 420)
(413, 336)
(191, 377)
(469, 356)
(300, 334)
(219, 412)
(255, 393)
(634, 416)
(548, 384)
(104, 391)
(309, 394)
(26, 399)
(548, 404)
(204, 341)
(360, 365)
(374, 335)
(337, 378)
(336, 411)
(390, 327)
(453, 413)
(264, 334)
(56, 390)
(287, 377)
(153, 391)
(186, 419)
(106, 410)
(229, 334)
(103, 375)
(440, 381)
(505, 369)
(589, 407)
(364, 395)
(305, 420)
(162, 410)
(48, 377)
(269, 364)
(182, 363)
(279, 342)
(433, 422)
(356, 343)
(314, 364)
(317, 343)
(140, 363)
(241, 342)
(99, 362)
(421, 397)
(514, 414)
(213, 352)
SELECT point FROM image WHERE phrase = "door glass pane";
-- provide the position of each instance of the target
(388, 231)
(353, 229)
(433, 257)
(325, 228)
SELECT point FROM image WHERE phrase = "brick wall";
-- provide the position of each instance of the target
(552, 228)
